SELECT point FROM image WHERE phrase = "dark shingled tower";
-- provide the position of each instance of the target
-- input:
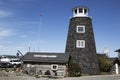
(80, 41)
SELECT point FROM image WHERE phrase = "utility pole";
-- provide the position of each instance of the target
(29, 49)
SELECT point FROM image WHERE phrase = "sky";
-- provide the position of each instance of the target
(25, 23)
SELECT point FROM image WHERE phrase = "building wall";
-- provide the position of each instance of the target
(85, 57)
(40, 69)
(113, 69)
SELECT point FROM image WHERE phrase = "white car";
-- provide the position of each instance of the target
(4, 59)
(15, 62)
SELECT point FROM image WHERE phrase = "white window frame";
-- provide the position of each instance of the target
(80, 43)
(54, 65)
(77, 30)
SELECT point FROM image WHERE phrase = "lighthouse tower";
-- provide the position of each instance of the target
(80, 41)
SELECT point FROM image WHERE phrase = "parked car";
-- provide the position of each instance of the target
(15, 62)
(5, 65)
(0, 56)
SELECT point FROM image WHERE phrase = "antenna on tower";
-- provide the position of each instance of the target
(39, 28)
(29, 49)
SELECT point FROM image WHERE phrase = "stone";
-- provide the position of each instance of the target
(85, 57)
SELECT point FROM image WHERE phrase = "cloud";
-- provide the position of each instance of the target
(3, 49)
(6, 33)
(23, 36)
(1, 46)
(4, 14)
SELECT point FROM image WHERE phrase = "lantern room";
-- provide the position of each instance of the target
(80, 11)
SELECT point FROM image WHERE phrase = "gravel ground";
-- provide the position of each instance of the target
(98, 77)
(10, 75)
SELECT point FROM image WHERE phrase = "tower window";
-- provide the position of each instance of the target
(75, 11)
(80, 29)
(80, 43)
(85, 11)
(80, 10)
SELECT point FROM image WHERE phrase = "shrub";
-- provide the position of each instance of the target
(74, 69)
(104, 64)
(47, 72)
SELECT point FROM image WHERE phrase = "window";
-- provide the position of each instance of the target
(80, 29)
(75, 11)
(54, 67)
(80, 43)
(80, 10)
(85, 11)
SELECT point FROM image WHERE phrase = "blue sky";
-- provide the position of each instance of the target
(20, 23)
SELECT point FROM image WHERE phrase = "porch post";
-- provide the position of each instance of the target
(116, 68)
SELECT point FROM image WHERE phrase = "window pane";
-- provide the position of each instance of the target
(80, 29)
(80, 10)
(54, 67)
(75, 11)
(85, 11)
(80, 44)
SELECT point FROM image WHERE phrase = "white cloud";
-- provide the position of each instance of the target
(7, 50)
(1, 46)
(5, 33)
(4, 14)
(23, 36)
(3, 49)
